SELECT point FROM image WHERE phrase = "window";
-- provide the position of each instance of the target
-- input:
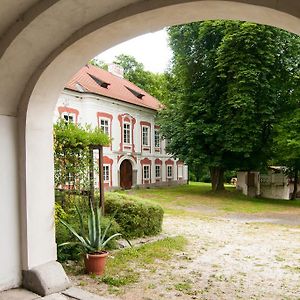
(68, 118)
(166, 145)
(146, 172)
(104, 125)
(106, 173)
(145, 136)
(157, 171)
(126, 133)
(156, 139)
(169, 171)
(180, 171)
(71, 178)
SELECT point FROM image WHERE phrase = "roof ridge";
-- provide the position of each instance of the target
(92, 78)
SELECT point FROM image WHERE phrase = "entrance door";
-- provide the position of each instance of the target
(126, 174)
(251, 185)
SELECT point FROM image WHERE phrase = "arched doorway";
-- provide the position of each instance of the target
(58, 38)
(126, 174)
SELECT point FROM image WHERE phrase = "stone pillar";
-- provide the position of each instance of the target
(10, 275)
(41, 273)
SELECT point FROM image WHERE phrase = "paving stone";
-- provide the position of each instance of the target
(18, 294)
(56, 297)
(80, 294)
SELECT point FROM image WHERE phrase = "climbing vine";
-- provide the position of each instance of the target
(72, 144)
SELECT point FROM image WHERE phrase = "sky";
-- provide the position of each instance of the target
(150, 49)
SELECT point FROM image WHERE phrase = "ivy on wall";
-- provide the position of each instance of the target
(72, 144)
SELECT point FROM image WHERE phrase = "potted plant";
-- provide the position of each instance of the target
(94, 242)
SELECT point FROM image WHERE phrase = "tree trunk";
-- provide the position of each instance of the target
(217, 179)
(294, 194)
(91, 178)
(197, 175)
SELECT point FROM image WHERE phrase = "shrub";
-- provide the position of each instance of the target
(205, 178)
(135, 216)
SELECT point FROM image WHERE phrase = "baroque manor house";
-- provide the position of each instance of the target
(137, 155)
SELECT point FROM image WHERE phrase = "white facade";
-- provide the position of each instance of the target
(134, 138)
(274, 184)
(248, 183)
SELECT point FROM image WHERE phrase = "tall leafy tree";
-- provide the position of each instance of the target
(99, 63)
(230, 82)
(287, 146)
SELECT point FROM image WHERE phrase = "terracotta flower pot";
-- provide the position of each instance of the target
(95, 263)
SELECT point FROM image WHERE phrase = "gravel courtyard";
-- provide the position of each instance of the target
(226, 258)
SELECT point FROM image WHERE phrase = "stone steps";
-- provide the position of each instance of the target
(69, 294)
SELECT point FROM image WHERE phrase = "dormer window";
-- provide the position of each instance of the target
(135, 93)
(99, 81)
(80, 88)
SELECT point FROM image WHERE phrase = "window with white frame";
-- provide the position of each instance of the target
(166, 145)
(145, 135)
(146, 172)
(157, 171)
(169, 171)
(126, 133)
(180, 171)
(68, 118)
(106, 173)
(71, 178)
(104, 125)
(156, 139)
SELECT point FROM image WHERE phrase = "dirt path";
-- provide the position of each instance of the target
(225, 259)
(283, 218)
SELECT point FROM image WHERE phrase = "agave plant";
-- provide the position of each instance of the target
(95, 240)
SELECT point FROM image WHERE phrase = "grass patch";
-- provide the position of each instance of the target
(122, 267)
(187, 199)
(294, 269)
(185, 287)
(117, 280)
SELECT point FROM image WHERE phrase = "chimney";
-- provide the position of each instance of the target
(116, 70)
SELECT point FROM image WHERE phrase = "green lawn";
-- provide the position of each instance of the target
(198, 197)
(123, 268)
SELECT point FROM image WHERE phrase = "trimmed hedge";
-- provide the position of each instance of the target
(135, 216)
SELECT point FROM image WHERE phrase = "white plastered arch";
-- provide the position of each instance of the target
(46, 83)
(40, 52)
(131, 159)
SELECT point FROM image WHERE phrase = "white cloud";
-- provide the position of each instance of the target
(151, 49)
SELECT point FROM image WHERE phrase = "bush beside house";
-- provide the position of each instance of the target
(133, 217)
(136, 217)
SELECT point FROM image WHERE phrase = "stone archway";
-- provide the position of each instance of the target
(42, 44)
(129, 160)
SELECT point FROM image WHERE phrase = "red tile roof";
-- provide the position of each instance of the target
(91, 79)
